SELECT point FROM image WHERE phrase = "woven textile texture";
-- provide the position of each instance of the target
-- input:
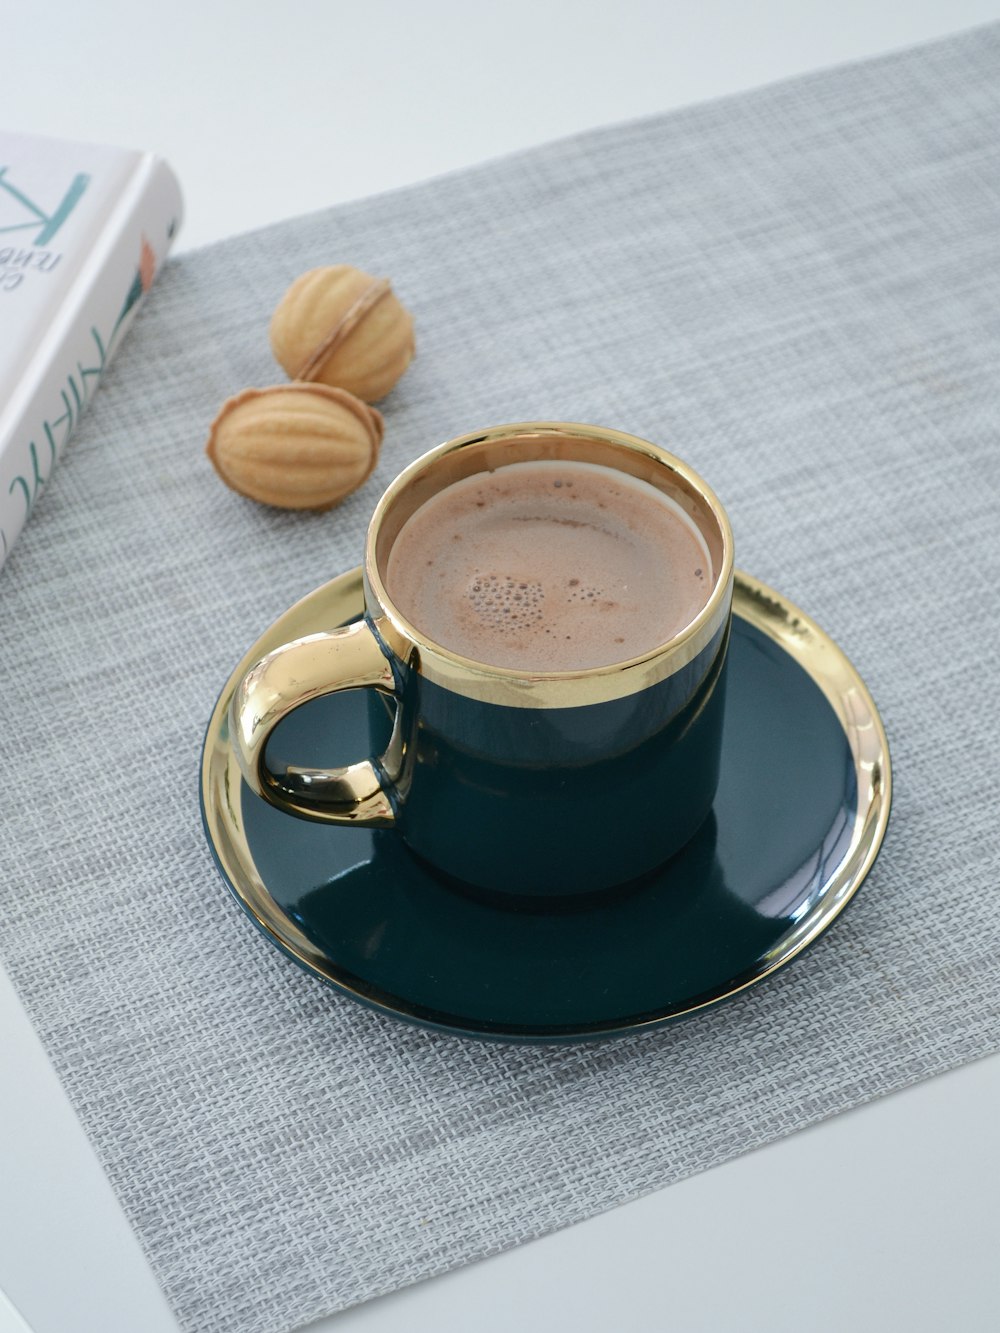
(797, 290)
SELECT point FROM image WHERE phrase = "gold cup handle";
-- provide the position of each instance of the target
(292, 675)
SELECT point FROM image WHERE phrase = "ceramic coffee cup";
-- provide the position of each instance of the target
(523, 783)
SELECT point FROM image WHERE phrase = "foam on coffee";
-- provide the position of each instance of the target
(546, 566)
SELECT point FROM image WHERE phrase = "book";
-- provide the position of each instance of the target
(84, 230)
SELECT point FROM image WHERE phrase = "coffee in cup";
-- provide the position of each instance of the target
(545, 566)
(547, 614)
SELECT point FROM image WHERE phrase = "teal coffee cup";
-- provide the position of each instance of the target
(520, 780)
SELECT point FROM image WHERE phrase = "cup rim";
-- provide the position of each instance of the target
(518, 688)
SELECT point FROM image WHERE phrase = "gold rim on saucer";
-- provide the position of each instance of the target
(342, 600)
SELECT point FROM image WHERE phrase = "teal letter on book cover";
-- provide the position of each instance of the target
(48, 223)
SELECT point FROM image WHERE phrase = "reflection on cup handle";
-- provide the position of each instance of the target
(342, 659)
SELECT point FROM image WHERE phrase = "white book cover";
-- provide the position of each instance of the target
(83, 231)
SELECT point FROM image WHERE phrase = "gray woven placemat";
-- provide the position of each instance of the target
(798, 289)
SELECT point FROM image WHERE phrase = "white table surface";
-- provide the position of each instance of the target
(884, 1218)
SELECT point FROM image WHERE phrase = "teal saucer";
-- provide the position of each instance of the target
(800, 814)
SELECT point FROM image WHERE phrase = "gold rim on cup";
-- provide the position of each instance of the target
(529, 441)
